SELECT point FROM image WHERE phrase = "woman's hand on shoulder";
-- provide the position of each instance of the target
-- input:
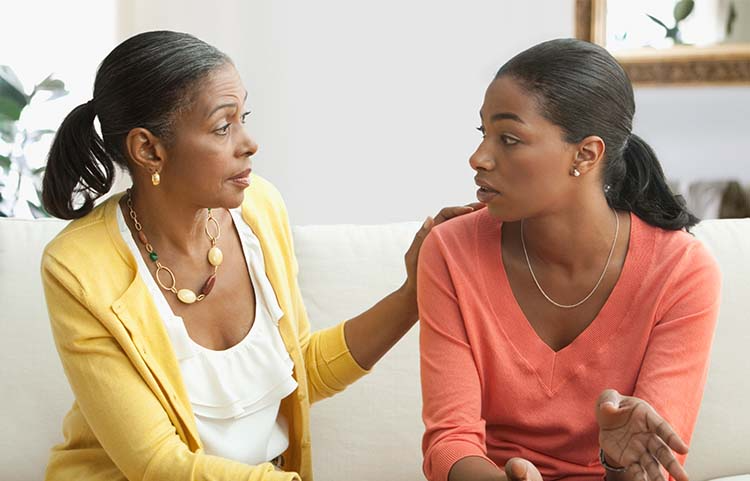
(634, 436)
(412, 255)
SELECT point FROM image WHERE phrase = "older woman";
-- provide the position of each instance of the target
(565, 329)
(175, 307)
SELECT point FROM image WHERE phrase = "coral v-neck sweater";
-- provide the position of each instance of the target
(492, 388)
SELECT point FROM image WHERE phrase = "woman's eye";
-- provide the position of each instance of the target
(509, 140)
(225, 129)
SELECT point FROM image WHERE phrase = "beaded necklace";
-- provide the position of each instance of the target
(215, 258)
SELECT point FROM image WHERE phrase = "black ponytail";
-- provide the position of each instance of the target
(77, 164)
(581, 88)
(144, 82)
(643, 190)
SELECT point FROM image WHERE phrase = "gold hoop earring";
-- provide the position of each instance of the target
(155, 178)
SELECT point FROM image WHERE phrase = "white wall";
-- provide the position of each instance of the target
(365, 111)
(35, 43)
(698, 133)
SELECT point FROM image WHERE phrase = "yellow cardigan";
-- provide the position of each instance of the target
(132, 418)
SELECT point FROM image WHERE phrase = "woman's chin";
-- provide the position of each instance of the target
(497, 211)
(502, 213)
(231, 199)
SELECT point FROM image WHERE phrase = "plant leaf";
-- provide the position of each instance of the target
(4, 162)
(9, 76)
(50, 84)
(682, 9)
(37, 210)
(3, 212)
(55, 86)
(731, 18)
(10, 109)
(657, 21)
(7, 131)
(12, 97)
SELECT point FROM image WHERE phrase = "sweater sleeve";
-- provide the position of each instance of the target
(451, 389)
(329, 365)
(124, 414)
(675, 367)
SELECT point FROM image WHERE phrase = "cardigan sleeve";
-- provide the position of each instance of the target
(451, 389)
(674, 370)
(124, 414)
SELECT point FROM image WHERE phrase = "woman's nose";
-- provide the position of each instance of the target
(481, 159)
(248, 146)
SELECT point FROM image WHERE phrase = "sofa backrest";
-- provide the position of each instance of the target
(721, 442)
(34, 393)
(373, 430)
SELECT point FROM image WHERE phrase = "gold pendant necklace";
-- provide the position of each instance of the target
(215, 258)
(601, 277)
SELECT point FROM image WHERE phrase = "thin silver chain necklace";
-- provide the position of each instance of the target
(606, 266)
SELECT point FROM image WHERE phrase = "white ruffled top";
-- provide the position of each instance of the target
(236, 393)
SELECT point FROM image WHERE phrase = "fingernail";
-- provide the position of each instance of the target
(427, 222)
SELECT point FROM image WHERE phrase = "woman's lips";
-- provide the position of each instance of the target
(485, 194)
(242, 179)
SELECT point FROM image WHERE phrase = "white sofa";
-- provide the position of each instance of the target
(373, 430)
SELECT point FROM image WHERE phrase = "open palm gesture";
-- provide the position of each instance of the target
(634, 436)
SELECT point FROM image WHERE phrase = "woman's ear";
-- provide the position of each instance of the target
(589, 153)
(145, 150)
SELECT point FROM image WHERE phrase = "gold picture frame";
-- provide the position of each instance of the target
(679, 65)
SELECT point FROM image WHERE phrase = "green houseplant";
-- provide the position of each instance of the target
(682, 10)
(17, 173)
